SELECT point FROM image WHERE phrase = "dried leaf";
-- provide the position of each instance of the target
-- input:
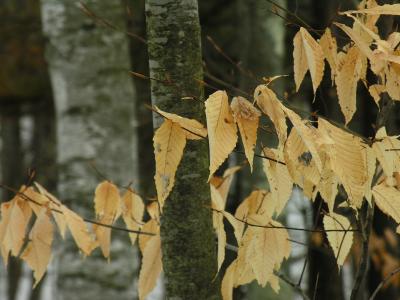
(132, 212)
(329, 48)
(247, 118)
(218, 204)
(385, 150)
(222, 184)
(349, 73)
(151, 266)
(309, 135)
(280, 182)
(271, 106)
(348, 159)
(149, 226)
(300, 164)
(169, 142)
(222, 131)
(37, 253)
(194, 129)
(15, 216)
(375, 91)
(340, 241)
(386, 9)
(107, 203)
(265, 249)
(388, 200)
(307, 55)
(46, 198)
(79, 231)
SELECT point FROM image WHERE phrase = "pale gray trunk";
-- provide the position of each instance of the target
(94, 109)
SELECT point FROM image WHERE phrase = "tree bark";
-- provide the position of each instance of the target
(188, 242)
(94, 100)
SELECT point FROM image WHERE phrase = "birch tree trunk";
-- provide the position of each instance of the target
(188, 242)
(94, 100)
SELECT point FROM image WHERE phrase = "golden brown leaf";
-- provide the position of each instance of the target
(300, 164)
(349, 73)
(265, 249)
(247, 118)
(388, 200)
(169, 143)
(15, 216)
(392, 82)
(309, 135)
(386, 153)
(132, 212)
(280, 182)
(222, 184)
(307, 55)
(79, 231)
(386, 9)
(271, 106)
(236, 274)
(150, 226)
(348, 158)
(329, 48)
(151, 266)
(194, 129)
(375, 91)
(218, 204)
(340, 241)
(107, 203)
(46, 198)
(222, 131)
(37, 253)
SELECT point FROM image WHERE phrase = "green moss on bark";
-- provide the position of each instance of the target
(188, 241)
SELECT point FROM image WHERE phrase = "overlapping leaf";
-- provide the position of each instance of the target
(270, 105)
(107, 204)
(280, 182)
(340, 240)
(15, 218)
(194, 129)
(308, 55)
(222, 131)
(388, 200)
(247, 118)
(132, 212)
(37, 253)
(329, 48)
(348, 75)
(348, 157)
(169, 143)
(151, 266)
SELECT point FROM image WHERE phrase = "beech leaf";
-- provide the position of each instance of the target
(308, 55)
(222, 131)
(169, 143)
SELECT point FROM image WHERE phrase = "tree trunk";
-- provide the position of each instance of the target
(188, 242)
(94, 100)
(12, 170)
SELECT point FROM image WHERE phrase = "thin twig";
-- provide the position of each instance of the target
(87, 11)
(383, 282)
(292, 284)
(286, 227)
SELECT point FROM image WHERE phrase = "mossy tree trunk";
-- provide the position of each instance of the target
(188, 241)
